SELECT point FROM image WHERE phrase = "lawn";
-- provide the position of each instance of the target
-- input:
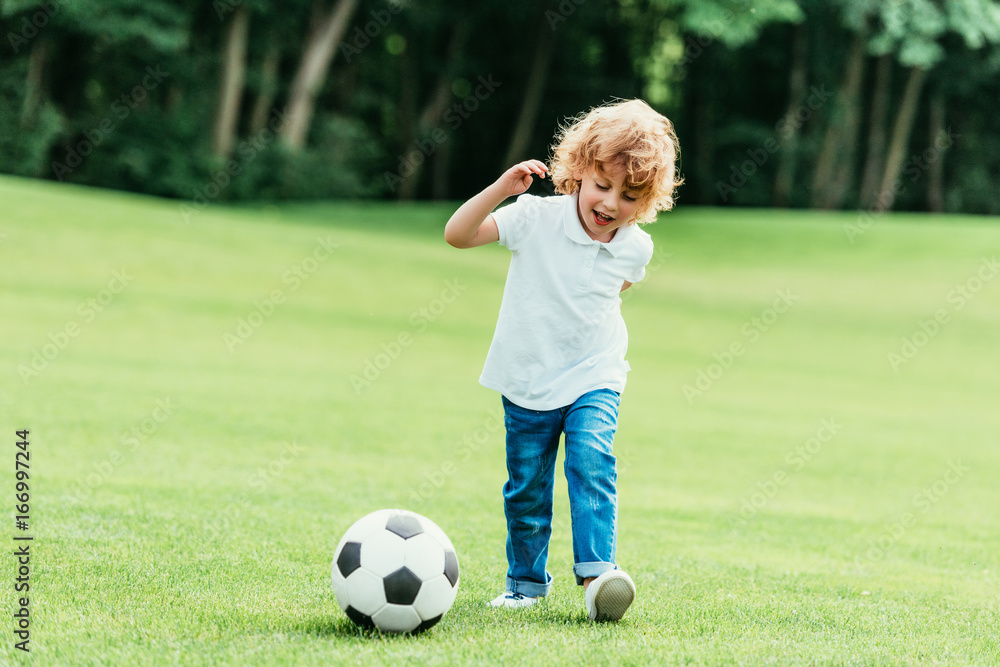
(808, 446)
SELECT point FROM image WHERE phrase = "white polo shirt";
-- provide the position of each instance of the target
(560, 331)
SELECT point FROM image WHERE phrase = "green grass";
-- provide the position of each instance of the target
(208, 538)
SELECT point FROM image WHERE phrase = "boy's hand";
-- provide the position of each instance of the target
(472, 225)
(517, 179)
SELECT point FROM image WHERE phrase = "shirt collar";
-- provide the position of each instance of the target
(576, 232)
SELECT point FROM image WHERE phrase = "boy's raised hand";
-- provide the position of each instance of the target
(472, 225)
(517, 179)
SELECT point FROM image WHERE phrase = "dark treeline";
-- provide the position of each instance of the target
(844, 104)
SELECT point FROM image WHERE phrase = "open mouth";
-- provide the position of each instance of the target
(602, 219)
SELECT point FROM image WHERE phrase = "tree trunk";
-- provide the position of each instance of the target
(34, 84)
(784, 180)
(268, 89)
(234, 62)
(437, 105)
(900, 138)
(830, 155)
(831, 192)
(935, 170)
(317, 54)
(532, 99)
(875, 161)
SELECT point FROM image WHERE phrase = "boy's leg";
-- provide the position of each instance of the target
(532, 444)
(592, 477)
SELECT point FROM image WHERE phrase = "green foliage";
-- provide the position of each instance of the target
(911, 28)
(735, 22)
(977, 21)
(341, 161)
(719, 68)
(141, 154)
(24, 148)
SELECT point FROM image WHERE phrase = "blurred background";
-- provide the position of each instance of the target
(847, 104)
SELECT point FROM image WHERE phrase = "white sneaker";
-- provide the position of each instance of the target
(609, 596)
(513, 601)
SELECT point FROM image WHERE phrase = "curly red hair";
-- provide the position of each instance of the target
(629, 134)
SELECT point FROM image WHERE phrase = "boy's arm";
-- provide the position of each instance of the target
(625, 286)
(472, 225)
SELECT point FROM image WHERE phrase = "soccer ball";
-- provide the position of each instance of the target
(396, 571)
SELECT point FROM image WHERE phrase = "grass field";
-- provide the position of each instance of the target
(808, 445)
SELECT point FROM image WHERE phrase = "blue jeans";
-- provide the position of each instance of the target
(591, 475)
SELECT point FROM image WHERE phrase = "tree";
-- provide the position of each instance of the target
(875, 160)
(234, 62)
(797, 91)
(327, 28)
(913, 29)
(537, 74)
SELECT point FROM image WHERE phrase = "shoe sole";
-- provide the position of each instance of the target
(613, 599)
(514, 604)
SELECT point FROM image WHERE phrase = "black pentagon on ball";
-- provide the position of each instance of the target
(404, 525)
(429, 623)
(451, 566)
(401, 587)
(349, 559)
(363, 620)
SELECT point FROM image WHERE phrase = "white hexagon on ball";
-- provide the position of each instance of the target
(439, 535)
(365, 591)
(367, 525)
(435, 597)
(424, 556)
(396, 618)
(382, 553)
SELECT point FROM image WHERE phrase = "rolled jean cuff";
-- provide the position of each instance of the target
(529, 588)
(587, 570)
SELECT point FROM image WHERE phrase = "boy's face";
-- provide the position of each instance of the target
(606, 202)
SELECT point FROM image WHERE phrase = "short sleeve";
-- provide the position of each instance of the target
(514, 221)
(639, 271)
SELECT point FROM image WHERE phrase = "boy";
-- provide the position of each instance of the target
(558, 353)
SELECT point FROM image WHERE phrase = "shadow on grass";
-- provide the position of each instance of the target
(563, 617)
(344, 628)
